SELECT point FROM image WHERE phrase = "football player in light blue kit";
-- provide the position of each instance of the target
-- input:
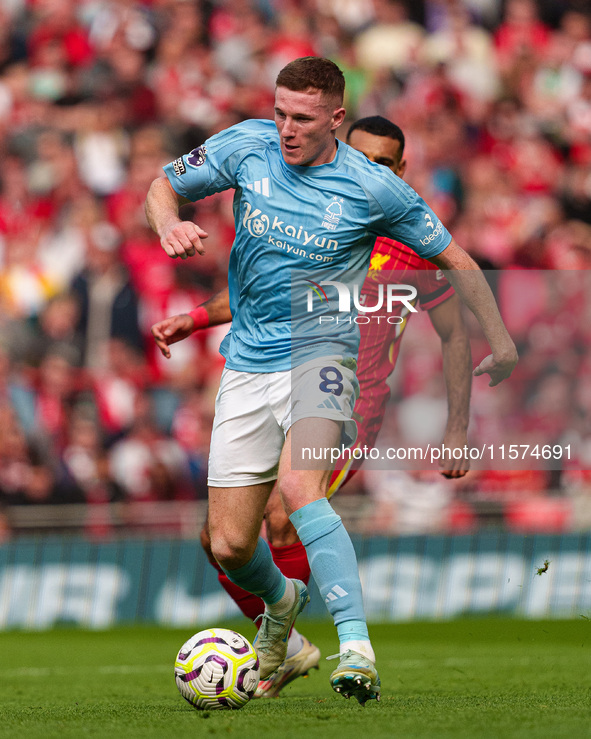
(303, 202)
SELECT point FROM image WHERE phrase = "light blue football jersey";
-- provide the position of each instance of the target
(320, 220)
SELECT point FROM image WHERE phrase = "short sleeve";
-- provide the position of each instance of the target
(421, 229)
(213, 166)
(398, 212)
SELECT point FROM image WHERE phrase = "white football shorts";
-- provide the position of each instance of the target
(254, 412)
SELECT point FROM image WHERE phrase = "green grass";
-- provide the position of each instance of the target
(471, 678)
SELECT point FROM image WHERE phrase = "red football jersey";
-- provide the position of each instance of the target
(391, 263)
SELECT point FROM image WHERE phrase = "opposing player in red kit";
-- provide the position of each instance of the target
(391, 262)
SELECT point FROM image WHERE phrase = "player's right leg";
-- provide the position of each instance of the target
(246, 559)
(245, 448)
(250, 605)
(287, 551)
(290, 556)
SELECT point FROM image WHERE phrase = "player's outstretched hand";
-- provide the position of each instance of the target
(183, 240)
(171, 330)
(451, 467)
(455, 468)
(498, 368)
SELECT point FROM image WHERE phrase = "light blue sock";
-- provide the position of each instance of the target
(260, 576)
(334, 566)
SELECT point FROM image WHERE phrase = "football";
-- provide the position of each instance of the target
(217, 669)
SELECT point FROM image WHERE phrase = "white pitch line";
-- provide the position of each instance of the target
(102, 670)
(403, 664)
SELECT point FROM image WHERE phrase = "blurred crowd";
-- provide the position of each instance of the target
(96, 95)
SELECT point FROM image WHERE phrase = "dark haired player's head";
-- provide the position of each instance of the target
(316, 73)
(380, 140)
(378, 126)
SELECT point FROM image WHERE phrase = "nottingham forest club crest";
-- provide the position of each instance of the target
(333, 213)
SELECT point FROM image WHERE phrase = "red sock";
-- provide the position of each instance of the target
(291, 560)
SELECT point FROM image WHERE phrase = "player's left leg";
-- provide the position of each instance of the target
(289, 554)
(330, 553)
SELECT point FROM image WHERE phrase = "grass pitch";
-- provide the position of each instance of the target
(464, 679)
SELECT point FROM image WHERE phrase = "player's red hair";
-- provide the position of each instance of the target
(313, 72)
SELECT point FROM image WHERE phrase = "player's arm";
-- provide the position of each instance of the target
(178, 238)
(457, 369)
(213, 312)
(470, 284)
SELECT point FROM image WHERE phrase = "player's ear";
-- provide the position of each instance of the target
(401, 169)
(337, 118)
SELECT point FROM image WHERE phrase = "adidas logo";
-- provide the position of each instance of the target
(335, 593)
(260, 186)
(330, 403)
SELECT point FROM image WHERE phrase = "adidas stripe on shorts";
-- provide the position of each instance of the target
(254, 411)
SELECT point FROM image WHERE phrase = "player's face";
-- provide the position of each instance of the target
(306, 122)
(379, 149)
